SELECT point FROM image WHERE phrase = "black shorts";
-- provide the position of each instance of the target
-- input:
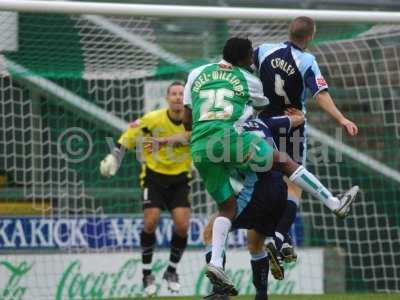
(165, 191)
(267, 205)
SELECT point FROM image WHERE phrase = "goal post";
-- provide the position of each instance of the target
(192, 11)
(74, 74)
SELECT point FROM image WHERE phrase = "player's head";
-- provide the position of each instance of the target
(175, 96)
(302, 31)
(238, 52)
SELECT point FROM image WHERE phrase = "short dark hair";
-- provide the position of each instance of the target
(237, 49)
(301, 28)
(173, 84)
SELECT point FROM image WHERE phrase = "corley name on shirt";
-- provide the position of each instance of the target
(283, 65)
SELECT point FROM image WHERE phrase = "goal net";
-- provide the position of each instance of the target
(69, 85)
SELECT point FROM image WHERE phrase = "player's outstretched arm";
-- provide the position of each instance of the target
(128, 140)
(309, 183)
(325, 101)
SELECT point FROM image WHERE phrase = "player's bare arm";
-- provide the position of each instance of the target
(325, 101)
(187, 118)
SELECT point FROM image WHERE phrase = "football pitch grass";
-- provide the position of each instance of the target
(299, 297)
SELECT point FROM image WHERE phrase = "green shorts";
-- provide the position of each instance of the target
(221, 155)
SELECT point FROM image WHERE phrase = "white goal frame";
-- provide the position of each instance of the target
(182, 11)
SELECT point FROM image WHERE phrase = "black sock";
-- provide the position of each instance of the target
(287, 219)
(147, 242)
(178, 245)
(260, 270)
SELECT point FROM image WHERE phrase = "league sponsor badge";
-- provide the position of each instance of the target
(321, 82)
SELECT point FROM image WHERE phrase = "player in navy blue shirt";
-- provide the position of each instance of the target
(288, 72)
(288, 75)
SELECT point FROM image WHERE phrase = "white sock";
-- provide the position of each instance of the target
(221, 228)
(312, 185)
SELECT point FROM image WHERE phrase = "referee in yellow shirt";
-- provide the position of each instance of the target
(164, 180)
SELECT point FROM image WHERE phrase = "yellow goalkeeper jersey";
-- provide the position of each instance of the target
(167, 160)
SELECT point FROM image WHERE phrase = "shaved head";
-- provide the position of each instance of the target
(301, 29)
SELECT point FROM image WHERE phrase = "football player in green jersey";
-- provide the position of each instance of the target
(220, 96)
(218, 99)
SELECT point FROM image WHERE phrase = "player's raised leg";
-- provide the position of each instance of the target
(299, 175)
